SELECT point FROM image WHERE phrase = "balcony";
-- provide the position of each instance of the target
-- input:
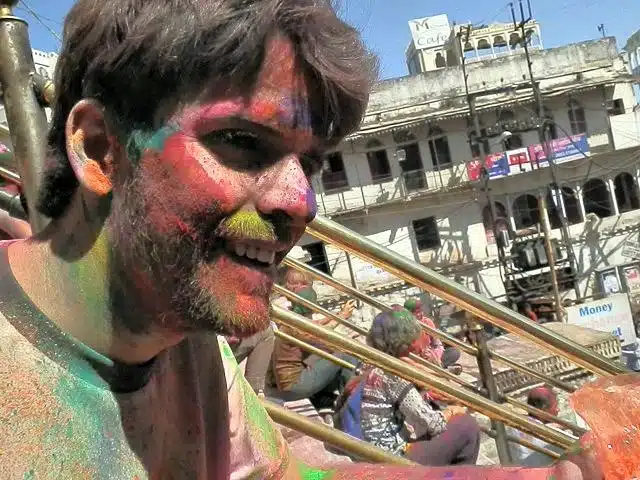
(336, 197)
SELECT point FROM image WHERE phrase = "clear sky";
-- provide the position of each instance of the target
(383, 23)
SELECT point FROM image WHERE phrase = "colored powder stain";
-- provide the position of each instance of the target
(30, 475)
(249, 225)
(260, 423)
(308, 473)
(90, 450)
(91, 274)
(141, 140)
(312, 205)
(97, 180)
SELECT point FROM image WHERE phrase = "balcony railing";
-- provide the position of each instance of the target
(336, 198)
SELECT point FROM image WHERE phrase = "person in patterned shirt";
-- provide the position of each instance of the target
(183, 141)
(397, 418)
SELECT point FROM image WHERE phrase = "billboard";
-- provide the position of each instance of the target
(430, 32)
(496, 164)
(562, 150)
(611, 314)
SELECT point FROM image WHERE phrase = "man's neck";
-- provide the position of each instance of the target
(74, 294)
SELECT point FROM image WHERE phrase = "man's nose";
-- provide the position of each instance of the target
(285, 188)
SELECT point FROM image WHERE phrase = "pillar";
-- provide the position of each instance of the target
(578, 190)
(612, 196)
(512, 220)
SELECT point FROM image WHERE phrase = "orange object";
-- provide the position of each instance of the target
(611, 408)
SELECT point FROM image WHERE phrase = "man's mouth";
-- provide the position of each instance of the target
(257, 254)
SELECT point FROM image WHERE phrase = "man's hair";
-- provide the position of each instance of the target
(394, 332)
(293, 276)
(143, 58)
(542, 398)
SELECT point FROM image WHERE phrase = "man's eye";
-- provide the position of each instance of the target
(240, 139)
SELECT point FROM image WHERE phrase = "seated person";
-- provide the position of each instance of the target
(257, 349)
(396, 417)
(299, 374)
(542, 398)
(445, 356)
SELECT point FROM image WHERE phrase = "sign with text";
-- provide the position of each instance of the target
(430, 32)
(611, 314)
(496, 164)
(631, 249)
(562, 150)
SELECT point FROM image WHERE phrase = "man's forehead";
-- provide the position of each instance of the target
(278, 99)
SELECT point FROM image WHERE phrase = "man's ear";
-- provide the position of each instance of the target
(91, 147)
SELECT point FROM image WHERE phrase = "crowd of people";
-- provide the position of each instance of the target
(394, 414)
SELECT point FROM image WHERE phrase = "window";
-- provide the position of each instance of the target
(412, 169)
(439, 148)
(596, 198)
(577, 118)
(515, 40)
(378, 162)
(507, 122)
(319, 259)
(525, 211)
(551, 128)
(626, 193)
(440, 61)
(615, 107)
(571, 206)
(500, 44)
(334, 176)
(427, 235)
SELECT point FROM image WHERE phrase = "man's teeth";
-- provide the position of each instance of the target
(263, 255)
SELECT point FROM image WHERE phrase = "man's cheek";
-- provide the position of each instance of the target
(200, 179)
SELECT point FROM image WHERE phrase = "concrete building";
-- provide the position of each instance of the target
(436, 43)
(409, 178)
(632, 49)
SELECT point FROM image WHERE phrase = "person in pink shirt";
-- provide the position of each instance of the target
(434, 350)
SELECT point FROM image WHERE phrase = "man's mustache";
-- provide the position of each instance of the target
(247, 225)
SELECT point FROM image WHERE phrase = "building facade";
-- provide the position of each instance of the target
(632, 49)
(436, 43)
(409, 179)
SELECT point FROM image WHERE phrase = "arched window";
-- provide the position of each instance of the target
(571, 206)
(577, 118)
(483, 46)
(626, 192)
(514, 40)
(439, 148)
(596, 198)
(533, 38)
(500, 44)
(469, 51)
(525, 211)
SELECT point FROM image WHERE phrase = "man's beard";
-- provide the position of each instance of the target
(164, 280)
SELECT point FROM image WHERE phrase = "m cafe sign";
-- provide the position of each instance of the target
(430, 32)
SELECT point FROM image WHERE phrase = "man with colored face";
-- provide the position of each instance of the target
(184, 137)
